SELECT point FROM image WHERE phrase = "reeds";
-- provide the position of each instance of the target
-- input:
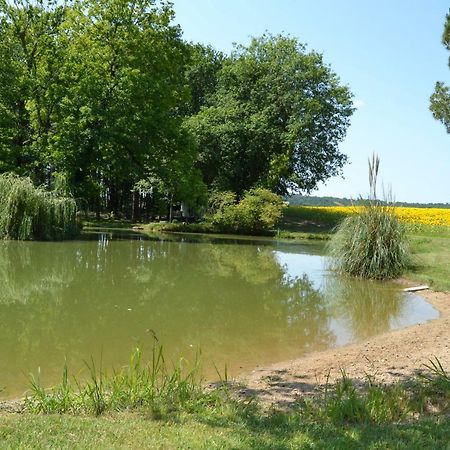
(372, 243)
(27, 212)
(156, 385)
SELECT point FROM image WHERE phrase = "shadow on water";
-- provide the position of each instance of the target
(243, 305)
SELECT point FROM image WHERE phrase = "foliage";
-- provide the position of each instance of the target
(257, 211)
(153, 385)
(440, 99)
(27, 212)
(202, 70)
(99, 96)
(371, 243)
(275, 119)
(90, 93)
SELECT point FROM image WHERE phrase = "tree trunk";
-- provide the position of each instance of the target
(135, 213)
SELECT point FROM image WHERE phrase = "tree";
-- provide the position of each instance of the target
(201, 74)
(90, 98)
(440, 99)
(119, 120)
(274, 121)
(31, 53)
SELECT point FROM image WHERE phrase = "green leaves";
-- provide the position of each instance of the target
(275, 119)
(103, 94)
(440, 99)
(259, 210)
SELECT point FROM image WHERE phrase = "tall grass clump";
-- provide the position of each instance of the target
(372, 243)
(27, 212)
(154, 385)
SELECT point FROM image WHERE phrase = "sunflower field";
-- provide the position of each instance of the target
(333, 214)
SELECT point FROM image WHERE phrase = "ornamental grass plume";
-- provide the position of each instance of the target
(371, 243)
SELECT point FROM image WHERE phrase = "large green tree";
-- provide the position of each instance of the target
(440, 99)
(275, 119)
(31, 54)
(119, 118)
(91, 97)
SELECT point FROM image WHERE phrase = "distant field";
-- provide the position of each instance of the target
(331, 215)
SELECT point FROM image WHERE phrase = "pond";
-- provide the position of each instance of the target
(243, 302)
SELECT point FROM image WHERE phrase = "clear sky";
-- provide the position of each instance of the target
(388, 52)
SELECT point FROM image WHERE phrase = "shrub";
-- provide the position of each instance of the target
(372, 243)
(222, 210)
(259, 210)
(27, 212)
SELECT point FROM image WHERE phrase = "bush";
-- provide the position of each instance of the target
(222, 210)
(259, 210)
(27, 212)
(372, 243)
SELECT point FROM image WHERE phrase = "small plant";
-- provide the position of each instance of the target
(433, 390)
(371, 243)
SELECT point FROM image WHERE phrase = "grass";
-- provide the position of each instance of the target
(304, 218)
(277, 431)
(370, 244)
(430, 249)
(157, 386)
(342, 416)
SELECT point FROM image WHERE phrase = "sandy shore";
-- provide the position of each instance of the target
(390, 357)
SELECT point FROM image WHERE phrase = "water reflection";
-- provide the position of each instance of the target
(243, 305)
(365, 307)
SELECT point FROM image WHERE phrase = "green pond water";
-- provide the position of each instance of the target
(244, 303)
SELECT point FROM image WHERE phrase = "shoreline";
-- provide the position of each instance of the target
(393, 356)
(396, 355)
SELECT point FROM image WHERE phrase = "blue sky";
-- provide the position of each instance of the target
(390, 55)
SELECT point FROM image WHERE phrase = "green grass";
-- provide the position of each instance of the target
(370, 244)
(108, 223)
(156, 385)
(431, 255)
(309, 220)
(277, 431)
(158, 405)
(118, 411)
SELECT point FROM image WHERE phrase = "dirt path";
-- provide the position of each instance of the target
(389, 357)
